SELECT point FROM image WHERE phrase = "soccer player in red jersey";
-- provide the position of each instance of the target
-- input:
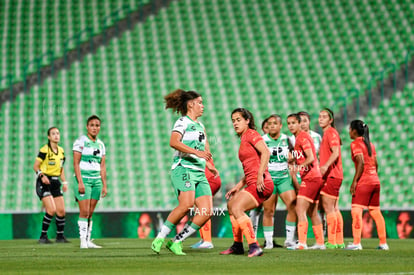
(365, 188)
(308, 196)
(254, 156)
(205, 230)
(332, 175)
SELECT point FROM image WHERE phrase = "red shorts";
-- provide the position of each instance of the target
(331, 188)
(260, 197)
(366, 195)
(310, 189)
(215, 184)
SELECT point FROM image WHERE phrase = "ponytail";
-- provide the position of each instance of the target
(362, 131)
(178, 99)
(366, 138)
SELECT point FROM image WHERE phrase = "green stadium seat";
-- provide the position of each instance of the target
(270, 58)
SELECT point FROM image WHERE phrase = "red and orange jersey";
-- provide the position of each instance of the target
(304, 142)
(369, 175)
(248, 154)
(331, 139)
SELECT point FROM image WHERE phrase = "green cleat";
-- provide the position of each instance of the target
(328, 245)
(156, 245)
(175, 247)
(340, 246)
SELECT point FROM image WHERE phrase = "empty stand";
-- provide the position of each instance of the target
(267, 57)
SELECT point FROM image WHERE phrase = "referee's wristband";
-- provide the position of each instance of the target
(64, 182)
(39, 172)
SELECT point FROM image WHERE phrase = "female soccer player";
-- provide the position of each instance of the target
(317, 139)
(365, 188)
(255, 213)
(332, 174)
(205, 231)
(90, 174)
(254, 156)
(311, 185)
(49, 167)
(305, 126)
(279, 147)
(189, 140)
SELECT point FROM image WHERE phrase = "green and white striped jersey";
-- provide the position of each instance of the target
(193, 135)
(279, 152)
(317, 140)
(92, 153)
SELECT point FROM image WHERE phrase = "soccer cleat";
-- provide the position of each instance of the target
(62, 240)
(206, 245)
(175, 247)
(289, 243)
(268, 245)
(353, 246)
(44, 240)
(83, 243)
(197, 244)
(255, 251)
(236, 249)
(328, 245)
(156, 244)
(383, 247)
(340, 246)
(298, 246)
(92, 245)
(318, 247)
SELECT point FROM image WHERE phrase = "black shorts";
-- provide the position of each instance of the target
(52, 189)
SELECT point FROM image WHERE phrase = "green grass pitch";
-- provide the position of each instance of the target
(134, 256)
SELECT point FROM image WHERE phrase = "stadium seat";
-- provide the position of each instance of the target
(268, 57)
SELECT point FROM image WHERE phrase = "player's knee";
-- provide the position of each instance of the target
(51, 212)
(207, 211)
(356, 212)
(230, 204)
(60, 212)
(300, 207)
(291, 207)
(84, 213)
(373, 211)
(268, 212)
(185, 206)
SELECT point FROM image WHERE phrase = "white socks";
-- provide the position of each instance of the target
(187, 231)
(254, 217)
(290, 232)
(83, 229)
(165, 230)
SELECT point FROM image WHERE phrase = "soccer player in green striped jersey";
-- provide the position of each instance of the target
(189, 181)
(279, 146)
(90, 174)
